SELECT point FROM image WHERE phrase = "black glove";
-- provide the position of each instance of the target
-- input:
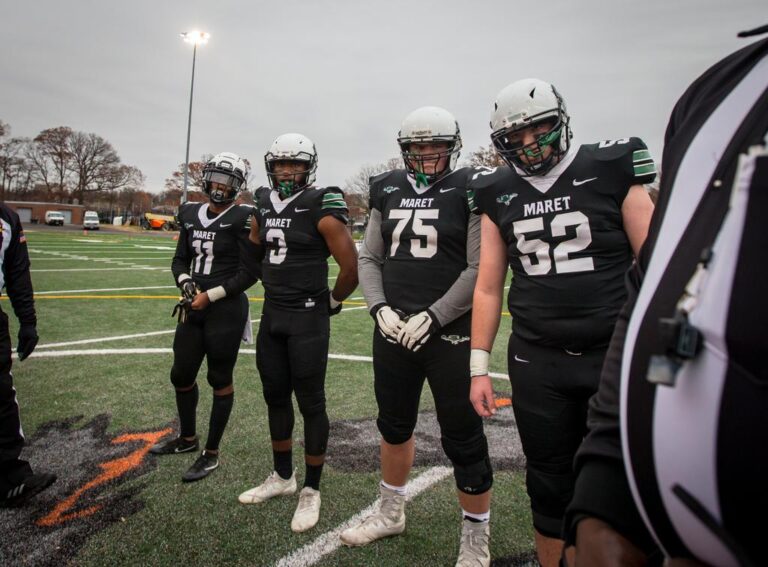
(189, 289)
(27, 341)
(331, 309)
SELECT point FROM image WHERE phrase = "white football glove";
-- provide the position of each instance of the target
(389, 322)
(416, 331)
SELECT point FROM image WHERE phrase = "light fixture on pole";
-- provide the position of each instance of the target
(195, 38)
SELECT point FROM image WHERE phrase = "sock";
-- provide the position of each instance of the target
(399, 489)
(283, 463)
(222, 407)
(312, 476)
(186, 403)
(477, 518)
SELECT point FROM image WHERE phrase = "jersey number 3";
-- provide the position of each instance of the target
(563, 264)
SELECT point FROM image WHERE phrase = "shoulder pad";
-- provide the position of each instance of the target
(393, 175)
(610, 150)
(479, 177)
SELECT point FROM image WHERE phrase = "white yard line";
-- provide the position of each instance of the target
(329, 541)
(104, 289)
(98, 269)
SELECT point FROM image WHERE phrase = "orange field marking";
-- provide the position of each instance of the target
(110, 470)
(503, 402)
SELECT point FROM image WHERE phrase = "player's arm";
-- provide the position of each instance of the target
(636, 213)
(18, 284)
(183, 256)
(486, 314)
(342, 248)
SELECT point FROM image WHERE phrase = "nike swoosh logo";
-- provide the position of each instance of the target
(185, 450)
(577, 182)
(301, 210)
(225, 225)
(518, 359)
(446, 190)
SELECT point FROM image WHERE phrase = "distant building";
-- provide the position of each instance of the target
(32, 212)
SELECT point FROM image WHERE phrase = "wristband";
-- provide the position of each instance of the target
(216, 293)
(478, 362)
(183, 278)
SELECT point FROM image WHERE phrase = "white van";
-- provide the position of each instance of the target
(91, 220)
(54, 218)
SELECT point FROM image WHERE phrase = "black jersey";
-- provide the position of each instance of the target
(216, 251)
(295, 266)
(425, 236)
(566, 243)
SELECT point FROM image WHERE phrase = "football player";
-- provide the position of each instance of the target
(215, 262)
(418, 266)
(567, 219)
(300, 226)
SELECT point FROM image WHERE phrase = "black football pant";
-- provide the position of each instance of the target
(550, 394)
(443, 361)
(292, 356)
(12, 469)
(213, 333)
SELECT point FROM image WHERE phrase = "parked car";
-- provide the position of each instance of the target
(54, 218)
(91, 220)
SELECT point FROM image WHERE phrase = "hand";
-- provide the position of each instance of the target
(389, 322)
(334, 307)
(189, 289)
(481, 396)
(200, 302)
(417, 330)
(27, 341)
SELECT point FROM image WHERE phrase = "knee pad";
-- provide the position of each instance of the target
(219, 380)
(277, 400)
(394, 433)
(550, 489)
(182, 377)
(311, 403)
(476, 478)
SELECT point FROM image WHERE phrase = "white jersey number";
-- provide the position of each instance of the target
(539, 248)
(419, 248)
(204, 258)
(277, 237)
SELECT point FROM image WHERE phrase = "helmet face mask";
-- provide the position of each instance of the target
(436, 130)
(293, 149)
(530, 106)
(224, 176)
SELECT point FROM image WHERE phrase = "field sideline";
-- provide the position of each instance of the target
(95, 396)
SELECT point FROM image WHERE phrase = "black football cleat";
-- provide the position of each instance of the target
(205, 464)
(174, 446)
(31, 485)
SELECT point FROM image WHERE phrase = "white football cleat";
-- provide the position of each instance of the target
(275, 485)
(474, 550)
(387, 521)
(308, 511)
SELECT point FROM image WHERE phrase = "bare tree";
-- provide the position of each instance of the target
(484, 157)
(13, 164)
(358, 184)
(94, 164)
(195, 179)
(53, 145)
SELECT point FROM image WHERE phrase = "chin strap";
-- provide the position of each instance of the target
(421, 180)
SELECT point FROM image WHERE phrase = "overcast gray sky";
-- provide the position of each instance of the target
(346, 72)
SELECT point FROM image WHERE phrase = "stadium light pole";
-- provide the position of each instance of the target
(195, 38)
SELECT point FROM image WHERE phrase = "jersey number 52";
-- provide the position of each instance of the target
(539, 248)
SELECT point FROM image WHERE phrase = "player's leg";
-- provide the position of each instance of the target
(17, 481)
(188, 354)
(308, 348)
(273, 362)
(464, 442)
(551, 389)
(398, 381)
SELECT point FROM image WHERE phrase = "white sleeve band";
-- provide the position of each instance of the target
(183, 278)
(334, 304)
(478, 362)
(216, 293)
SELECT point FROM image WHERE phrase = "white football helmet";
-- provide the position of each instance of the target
(526, 103)
(226, 169)
(429, 124)
(291, 147)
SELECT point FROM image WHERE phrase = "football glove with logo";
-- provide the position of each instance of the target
(417, 330)
(388, 321)
(189, 289)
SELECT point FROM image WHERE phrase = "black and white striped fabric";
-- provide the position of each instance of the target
(695, 453)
